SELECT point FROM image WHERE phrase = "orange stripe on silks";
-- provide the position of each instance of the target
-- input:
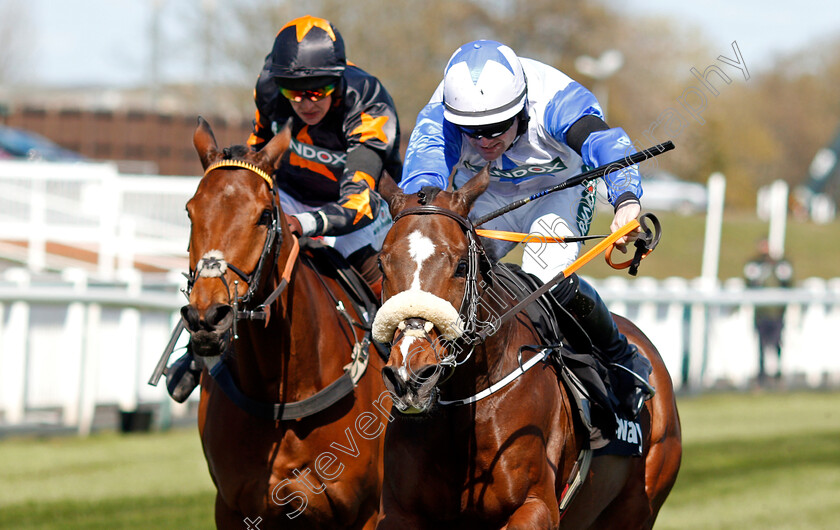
(299, 161)
(361, 175)
(601, 246)
(518, 237)
(371, 128)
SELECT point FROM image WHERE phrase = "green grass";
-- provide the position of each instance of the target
(758, 461)
(769, 461)
(809, 246)
(109, 481)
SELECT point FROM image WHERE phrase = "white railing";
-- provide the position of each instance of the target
(704, 331)
(117, 220)
(69, 343)
(82, 338)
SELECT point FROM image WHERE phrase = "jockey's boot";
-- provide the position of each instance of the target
(631, 369)
(183, 376)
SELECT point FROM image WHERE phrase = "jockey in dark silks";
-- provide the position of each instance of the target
(345, 137)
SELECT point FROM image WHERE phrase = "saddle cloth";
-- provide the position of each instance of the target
(584, 375)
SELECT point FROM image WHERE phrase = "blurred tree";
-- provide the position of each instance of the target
(754, 131)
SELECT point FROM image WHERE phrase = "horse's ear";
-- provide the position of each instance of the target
(274, 149)
(205, 143)
(391, 192)
(469, 192)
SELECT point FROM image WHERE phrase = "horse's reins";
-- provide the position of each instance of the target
(645, 244)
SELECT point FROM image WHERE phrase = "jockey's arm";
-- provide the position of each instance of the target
(598, 144)
(433, 149)
(358, 203)
(371, 133)
(266, 101)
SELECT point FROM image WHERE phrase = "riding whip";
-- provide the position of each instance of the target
(598, 172)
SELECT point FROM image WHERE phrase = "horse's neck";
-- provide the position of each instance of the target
(299, 351)
(488, 362)
(494, 358)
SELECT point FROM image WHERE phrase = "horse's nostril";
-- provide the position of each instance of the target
(219, 316)
(191, 317)
(415, 323)
(393, 382)
(426, 373)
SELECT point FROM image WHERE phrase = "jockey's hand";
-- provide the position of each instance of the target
(294, 225)
(627, 212)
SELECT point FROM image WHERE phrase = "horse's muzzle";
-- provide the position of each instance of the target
(209, 333)
(412, 393)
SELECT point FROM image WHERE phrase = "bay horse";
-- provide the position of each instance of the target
(472, 445)
(287, 415)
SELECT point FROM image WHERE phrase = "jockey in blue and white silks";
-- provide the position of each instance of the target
(539, 157)
(535, 127)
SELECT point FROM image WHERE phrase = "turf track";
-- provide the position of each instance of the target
(750, 461)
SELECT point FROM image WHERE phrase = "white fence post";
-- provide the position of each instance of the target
(73, 340)
(13, 352)
(90, 362)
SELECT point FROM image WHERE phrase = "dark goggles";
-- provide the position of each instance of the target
(491, 131)
(313, 94)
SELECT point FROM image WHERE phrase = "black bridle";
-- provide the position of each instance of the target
(243, 308)
(475, 258)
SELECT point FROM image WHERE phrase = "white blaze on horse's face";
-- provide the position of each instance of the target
(420, 248)
(405, 351)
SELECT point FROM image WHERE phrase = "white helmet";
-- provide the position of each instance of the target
(483, 83)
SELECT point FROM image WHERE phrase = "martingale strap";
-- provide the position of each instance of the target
(505, 381)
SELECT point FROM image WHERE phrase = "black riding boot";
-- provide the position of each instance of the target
(631, 370)
(183, 376)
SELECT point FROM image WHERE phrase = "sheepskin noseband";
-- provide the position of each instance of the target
(415, 303)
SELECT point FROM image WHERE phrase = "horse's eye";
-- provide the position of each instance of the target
(265, 218)
(379, 264)
(461, 269)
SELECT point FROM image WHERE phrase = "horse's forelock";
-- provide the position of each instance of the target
(236, 152)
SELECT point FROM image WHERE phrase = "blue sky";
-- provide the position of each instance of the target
(106, 42)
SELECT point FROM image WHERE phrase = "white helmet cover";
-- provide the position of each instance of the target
(483, 84)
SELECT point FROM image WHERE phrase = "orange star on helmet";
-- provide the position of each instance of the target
(304, 24)
(371, 128)
(361, 203)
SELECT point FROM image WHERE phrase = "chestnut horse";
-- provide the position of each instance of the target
(474, 446)
(287, 415)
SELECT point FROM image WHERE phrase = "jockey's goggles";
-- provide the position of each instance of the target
(494, 130)
(312, 94)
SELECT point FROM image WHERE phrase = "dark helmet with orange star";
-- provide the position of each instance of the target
(308, 53)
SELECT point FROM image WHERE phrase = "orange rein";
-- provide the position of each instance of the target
(607, 244)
